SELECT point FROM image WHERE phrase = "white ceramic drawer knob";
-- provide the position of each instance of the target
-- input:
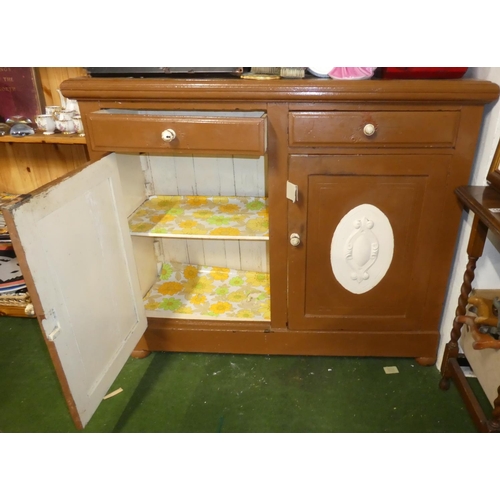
(294, 240)
(168, 135)
(369, 129)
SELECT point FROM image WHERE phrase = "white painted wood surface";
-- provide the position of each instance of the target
(132, 180)
(216, 176)
(362, 248)
(79, 251)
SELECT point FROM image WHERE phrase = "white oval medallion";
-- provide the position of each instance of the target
(362, 248)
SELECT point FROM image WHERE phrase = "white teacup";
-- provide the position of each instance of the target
(64, 114)
(78, 125)
(66, 126)
(46, 123)
(52, 110)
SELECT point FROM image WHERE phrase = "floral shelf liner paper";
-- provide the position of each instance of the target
(214, 217)
(202, 292)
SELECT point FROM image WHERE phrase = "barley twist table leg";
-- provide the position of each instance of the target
(451, 350)
(475, 248)
(494, 423)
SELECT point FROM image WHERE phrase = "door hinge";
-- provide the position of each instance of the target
(292, 192)
(51, 326)
(54, 333)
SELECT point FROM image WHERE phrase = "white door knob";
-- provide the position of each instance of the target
(168, 135)
(369, 129)
(294, 240)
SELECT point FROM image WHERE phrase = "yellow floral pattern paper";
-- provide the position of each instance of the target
(202, 292)
(214, 217)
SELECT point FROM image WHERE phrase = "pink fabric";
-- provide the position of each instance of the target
(351, 73)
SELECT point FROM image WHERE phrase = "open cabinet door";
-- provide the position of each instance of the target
(73, 244)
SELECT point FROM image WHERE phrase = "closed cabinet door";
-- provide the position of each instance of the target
(364, 241)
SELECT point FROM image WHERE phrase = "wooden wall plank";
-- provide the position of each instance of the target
(24, 167)
(51, 78)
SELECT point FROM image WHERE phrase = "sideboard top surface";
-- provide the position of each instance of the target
(307, 89)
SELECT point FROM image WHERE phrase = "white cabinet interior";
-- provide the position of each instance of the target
(199, 228)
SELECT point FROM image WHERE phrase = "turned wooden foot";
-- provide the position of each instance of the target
(140, 354)
(425, 361)
(444, 384)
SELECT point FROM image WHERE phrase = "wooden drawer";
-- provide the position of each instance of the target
(195, 132)
(393, 129)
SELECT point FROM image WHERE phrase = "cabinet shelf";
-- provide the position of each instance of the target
(202, 217)
(39, 138)
(186, 291)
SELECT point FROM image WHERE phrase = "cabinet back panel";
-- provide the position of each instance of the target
(208, 176)
(240, 255)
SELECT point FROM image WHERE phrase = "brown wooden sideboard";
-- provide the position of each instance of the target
(310, 216)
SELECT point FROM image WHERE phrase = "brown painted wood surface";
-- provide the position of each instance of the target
(277, 154)
(193, 336)
(429, 129)
(201, 135)
(287, 90)
(408, 192)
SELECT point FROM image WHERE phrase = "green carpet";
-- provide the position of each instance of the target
(210, 393)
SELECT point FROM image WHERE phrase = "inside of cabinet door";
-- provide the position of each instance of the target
(75, 251)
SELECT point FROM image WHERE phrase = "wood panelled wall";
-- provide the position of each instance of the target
(24, 167)
(51, 78)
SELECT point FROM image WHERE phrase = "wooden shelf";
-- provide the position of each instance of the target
(39, 138)
(15, 311)
(202, 217)
(186, 291)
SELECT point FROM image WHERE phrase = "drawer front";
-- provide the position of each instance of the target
(133, 132)
(390, 128)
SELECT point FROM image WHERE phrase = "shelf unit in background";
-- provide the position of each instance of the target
(39, 138)
(27, 163)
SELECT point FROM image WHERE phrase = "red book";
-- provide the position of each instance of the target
(422, 73)
(19, 93)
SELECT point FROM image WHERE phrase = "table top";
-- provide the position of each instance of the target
(483, 201)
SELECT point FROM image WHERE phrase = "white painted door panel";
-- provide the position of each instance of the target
(78, 249)
(362, 248)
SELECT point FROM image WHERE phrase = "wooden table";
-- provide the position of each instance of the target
(484, 202)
